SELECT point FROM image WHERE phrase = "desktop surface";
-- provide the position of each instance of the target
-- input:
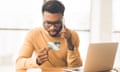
(78, 69)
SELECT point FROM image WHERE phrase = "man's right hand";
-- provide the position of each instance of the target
(42, 56)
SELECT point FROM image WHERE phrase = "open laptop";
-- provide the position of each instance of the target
(100, 57)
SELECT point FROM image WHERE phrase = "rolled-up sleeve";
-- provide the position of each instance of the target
(73, 57)
(25, 59)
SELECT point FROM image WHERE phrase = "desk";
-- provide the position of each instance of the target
(58, 70)
(44, 70)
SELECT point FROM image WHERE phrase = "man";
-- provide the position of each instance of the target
(54, 44)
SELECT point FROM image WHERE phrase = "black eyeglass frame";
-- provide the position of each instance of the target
(56, 24)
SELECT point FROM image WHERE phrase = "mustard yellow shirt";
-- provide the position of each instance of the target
(38, 38)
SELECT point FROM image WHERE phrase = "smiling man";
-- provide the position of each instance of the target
(54, 45)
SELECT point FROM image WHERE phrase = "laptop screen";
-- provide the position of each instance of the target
(100, 56)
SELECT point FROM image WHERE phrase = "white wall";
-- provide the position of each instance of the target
(101, 20)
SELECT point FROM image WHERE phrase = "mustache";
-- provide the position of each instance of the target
(56, 30)
(53, 30)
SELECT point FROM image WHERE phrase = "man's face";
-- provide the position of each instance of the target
(52, 23)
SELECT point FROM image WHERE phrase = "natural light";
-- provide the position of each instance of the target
(18, 16)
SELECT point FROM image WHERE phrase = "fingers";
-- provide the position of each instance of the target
(42, 59)
(42, 55)
(66, 34)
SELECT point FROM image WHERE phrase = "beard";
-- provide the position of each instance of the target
(54, 33)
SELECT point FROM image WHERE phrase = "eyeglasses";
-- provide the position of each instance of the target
(56, 24)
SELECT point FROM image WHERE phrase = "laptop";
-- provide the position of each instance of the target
(100, 57)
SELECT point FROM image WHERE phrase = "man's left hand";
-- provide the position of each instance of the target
(68, 36)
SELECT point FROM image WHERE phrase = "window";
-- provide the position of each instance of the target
(116, 27)
(116, 21)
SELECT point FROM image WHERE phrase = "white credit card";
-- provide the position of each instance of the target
(54, 45)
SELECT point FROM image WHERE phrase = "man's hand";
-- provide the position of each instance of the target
(68, 36)
(42, 56)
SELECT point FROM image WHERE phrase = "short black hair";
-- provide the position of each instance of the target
(53, 6)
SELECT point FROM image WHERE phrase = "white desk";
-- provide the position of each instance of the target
(65, 70)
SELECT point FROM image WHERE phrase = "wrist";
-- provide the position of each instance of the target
(37, 62)
(71, 48)
(70, 45)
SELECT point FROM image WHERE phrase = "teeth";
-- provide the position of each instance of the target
(53, 32)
